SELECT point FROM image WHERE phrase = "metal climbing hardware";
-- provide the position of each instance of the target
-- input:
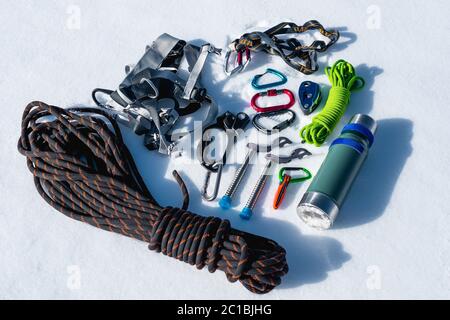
(320, 205)
(153, 95)
(299, 153)
(257, 78)
(253, 150)
(272, 93)
(310, 96)
(97, 164)
(242, 58)
(247, 211)
(274, 41)
(286, 171)
(286, 178)
(344, 81)
(271, 115)
(231, 125)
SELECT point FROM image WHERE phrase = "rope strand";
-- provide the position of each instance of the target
(83, 169)
(344, 81)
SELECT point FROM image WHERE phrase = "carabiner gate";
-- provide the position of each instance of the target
(310, 96)
(238, 63)
(204, 192)
(256, 78)
(278, 127)
(273, 93)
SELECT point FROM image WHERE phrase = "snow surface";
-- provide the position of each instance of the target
(392, 239)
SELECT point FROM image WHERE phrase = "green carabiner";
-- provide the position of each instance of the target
(282, 171)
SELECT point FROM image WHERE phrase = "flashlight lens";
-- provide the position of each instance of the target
(314, 217)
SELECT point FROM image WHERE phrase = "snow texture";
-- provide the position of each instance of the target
(392, 238)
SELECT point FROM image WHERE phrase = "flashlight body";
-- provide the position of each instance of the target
(339, 170)
(326, 194)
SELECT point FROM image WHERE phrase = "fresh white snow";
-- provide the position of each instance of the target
(392, 239)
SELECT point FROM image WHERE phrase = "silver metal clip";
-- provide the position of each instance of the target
(213, 196)
(152, 85)
(238, 62)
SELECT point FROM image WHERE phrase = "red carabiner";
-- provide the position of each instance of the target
(272, 93)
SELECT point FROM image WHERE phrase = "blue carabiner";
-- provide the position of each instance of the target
(257, 86)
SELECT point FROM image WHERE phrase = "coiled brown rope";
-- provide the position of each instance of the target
(82, 168)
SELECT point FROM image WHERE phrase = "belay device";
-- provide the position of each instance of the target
(153, 96)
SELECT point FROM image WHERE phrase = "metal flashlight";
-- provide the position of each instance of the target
(320, 204)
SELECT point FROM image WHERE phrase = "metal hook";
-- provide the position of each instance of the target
(272, 93)
(152, 85)
(213, 196)
(286, 171)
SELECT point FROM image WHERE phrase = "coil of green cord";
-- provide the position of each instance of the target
(344, 81)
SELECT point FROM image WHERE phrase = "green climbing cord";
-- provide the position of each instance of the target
(344, 81)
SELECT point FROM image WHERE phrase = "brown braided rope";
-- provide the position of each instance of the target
(82, 168)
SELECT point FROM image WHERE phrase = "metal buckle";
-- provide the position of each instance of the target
(152, 85)
(212, 49)
(230, 125)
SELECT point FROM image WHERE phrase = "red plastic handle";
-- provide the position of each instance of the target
(281, 191)
(273, 93)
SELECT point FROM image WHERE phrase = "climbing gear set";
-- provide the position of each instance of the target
(285, 177)
(230, 124)
(280, 126)
(298, 153)
(273, 93)
(302, 58)
(254, 149)
(310, 96)
(344, 81)
(257, 78)
(153, 97)
(82, 167)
